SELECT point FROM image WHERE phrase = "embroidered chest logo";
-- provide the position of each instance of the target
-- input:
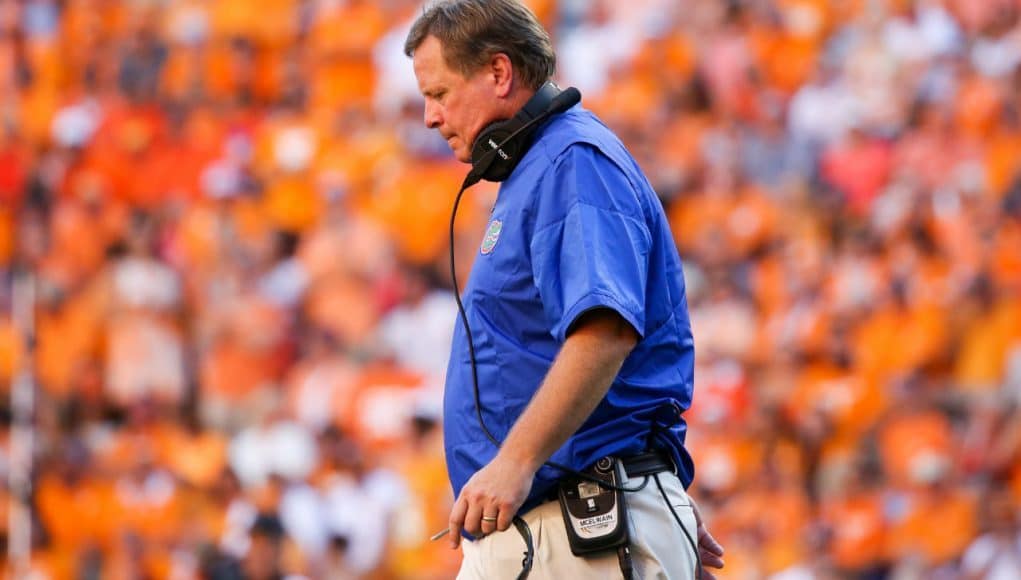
(492, 236)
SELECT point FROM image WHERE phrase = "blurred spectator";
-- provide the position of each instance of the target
(356, 507)
(274, 446)
(996, 553)
(416, 331)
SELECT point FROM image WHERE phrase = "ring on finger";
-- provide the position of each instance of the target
(490, 519)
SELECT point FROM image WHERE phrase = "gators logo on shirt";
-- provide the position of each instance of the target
(492, 236)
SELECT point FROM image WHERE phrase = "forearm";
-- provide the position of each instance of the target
(579, 378)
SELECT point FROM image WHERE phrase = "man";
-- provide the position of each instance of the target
(577, 312)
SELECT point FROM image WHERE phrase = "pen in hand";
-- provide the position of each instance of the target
(439, 534)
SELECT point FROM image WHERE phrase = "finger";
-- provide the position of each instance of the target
(489, 526)
(456, 522)
(473, 519)
(505, 519)
(709, 559)
(707, 543)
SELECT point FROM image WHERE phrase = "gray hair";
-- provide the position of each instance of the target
(472, 31)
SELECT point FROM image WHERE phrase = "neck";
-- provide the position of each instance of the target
(517, 99)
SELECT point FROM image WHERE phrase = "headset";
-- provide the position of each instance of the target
(495, 154)
(499, 146)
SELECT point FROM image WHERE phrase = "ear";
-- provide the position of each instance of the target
(502, 71)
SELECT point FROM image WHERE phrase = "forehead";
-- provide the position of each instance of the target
(430, 66)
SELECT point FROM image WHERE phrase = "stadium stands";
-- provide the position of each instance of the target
(237, 227)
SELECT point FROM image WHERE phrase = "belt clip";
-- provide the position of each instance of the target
(622, 477)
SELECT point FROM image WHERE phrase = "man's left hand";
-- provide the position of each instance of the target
(490, 499)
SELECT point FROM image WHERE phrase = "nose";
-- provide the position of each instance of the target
(433, 118)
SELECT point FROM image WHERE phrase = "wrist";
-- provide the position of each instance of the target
(519, 458)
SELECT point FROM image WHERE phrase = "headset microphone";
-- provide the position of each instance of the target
(500, 146)
(565, 100)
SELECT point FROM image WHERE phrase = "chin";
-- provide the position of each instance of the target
(463, 155)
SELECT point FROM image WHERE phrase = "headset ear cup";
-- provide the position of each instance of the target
(498, 167)
(479, 146)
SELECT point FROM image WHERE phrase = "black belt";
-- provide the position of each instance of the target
(647, 463)
(635, 466)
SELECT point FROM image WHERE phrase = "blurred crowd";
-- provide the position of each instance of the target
(235, 225)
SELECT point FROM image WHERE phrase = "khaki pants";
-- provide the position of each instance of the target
(659, 548)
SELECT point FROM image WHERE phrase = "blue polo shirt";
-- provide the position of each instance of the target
(576, 227)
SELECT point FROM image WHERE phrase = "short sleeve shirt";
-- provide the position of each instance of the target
(575, 227)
